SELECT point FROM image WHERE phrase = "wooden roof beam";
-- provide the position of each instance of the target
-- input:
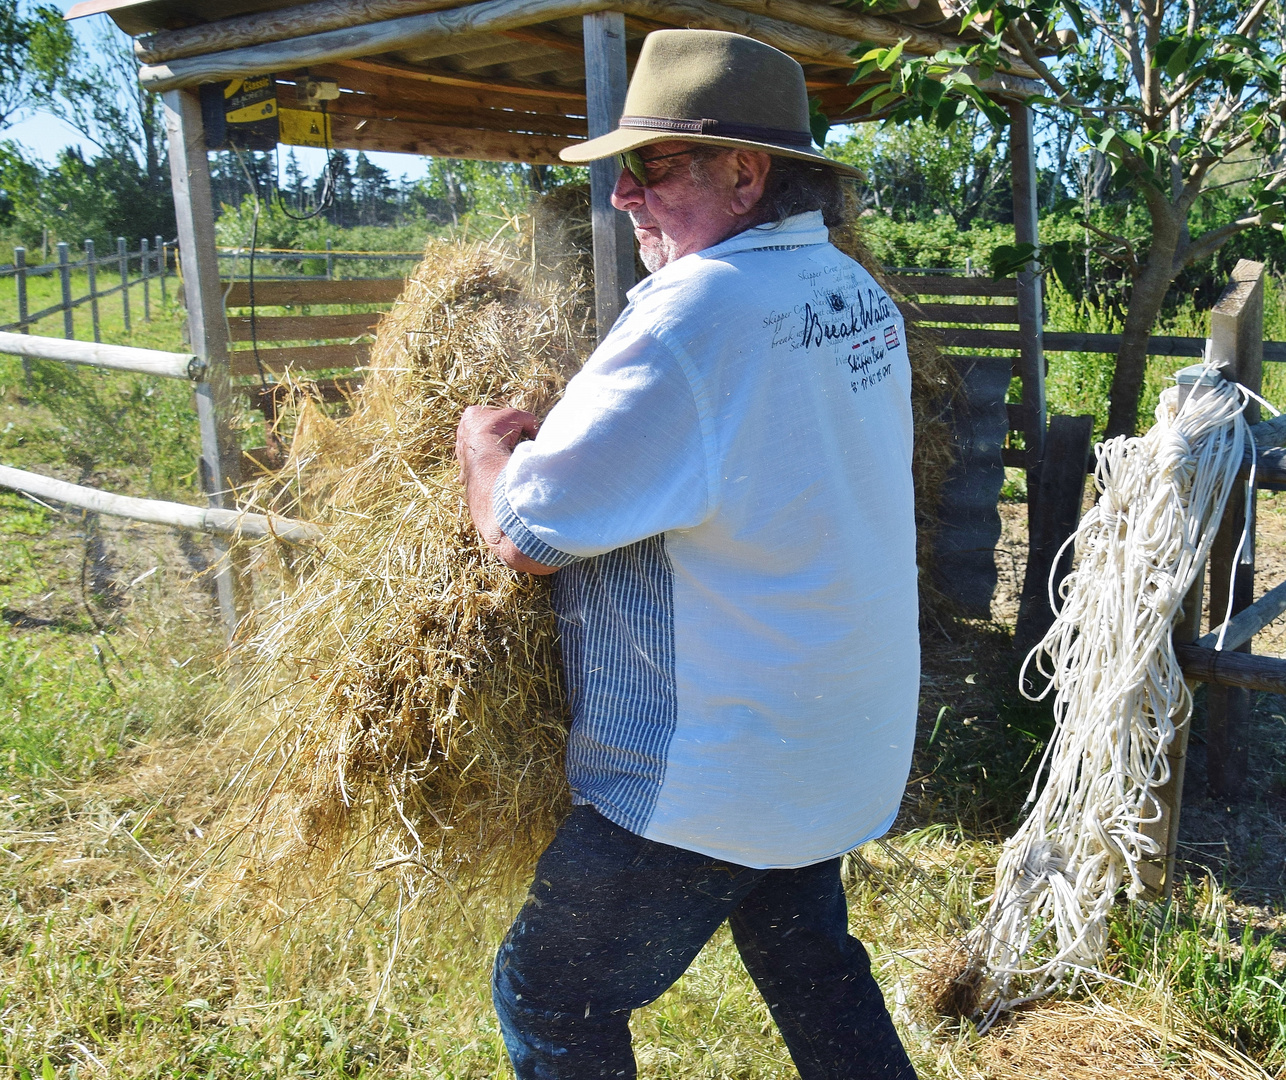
(394, 93)
(526, 95)
(441, 140)
(741, 16)
(333, 29)
(362, 107)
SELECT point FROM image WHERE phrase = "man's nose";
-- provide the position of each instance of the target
(628, 193)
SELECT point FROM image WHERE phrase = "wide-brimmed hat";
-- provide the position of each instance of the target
(707, 86)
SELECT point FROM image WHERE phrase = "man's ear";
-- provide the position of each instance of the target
(751, 179)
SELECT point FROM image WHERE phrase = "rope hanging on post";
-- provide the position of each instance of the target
(1119, 697)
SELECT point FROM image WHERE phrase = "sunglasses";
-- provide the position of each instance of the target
(632, 162)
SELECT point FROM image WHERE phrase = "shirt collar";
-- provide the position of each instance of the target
(798, 230)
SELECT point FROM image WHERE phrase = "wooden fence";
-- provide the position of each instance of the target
(215, 520)
(153, 261)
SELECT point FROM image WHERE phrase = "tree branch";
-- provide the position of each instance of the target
(1251, 19)
(1131, 257)
(1210, 242)
(1132, 41)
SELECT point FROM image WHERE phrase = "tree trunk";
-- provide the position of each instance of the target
(1146, 299)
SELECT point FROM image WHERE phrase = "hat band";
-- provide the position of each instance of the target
(720, 128)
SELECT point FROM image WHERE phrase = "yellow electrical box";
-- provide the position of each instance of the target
(303, 127)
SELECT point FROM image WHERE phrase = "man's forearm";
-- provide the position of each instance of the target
(483, 454)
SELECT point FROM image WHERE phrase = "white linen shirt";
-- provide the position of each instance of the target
(726, 486)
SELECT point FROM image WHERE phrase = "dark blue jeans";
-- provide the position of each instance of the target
(612, 920)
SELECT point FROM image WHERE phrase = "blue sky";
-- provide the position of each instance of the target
(43, 135)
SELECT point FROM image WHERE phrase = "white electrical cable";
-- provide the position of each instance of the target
(1119, 696)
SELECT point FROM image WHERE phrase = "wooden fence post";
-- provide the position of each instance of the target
(606, 81)
(163, 266)
(91, 269)
(145, 265)
(64, 280)
(1237, 346)
(330, 262)
(122, 260)
(220, 449)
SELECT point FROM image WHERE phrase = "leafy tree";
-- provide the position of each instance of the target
(36, 52)
(1165, 91)
(914, 169)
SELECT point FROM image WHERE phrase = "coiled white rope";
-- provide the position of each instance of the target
(1119, 697)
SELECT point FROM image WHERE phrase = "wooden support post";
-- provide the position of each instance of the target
(605, 84)
(1058, 512)
(1237, 346)
(207, 329)
(1022, 150)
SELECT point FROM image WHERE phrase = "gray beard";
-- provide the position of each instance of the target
(652, 259)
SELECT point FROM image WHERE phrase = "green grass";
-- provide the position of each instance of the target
(1078, 383)
(1231, 979)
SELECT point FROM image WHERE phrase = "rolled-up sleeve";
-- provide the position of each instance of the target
(623, 456)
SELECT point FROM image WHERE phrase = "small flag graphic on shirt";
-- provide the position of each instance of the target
(891, 337)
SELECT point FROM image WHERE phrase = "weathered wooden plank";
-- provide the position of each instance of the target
(266, 26)
(300, 327)
(1111, 343)
(210, 519)
(929, 285)
(220, 470)
(1247, 623)
(520, 91)
(394, 85)
(1031, 345)
(747, 17)
(396, 136)
(412, 110)
(962, 362)
(118, 357)
(501, 50)
(314, 20)
(977, 314)
(1233, 669)
(548, 65)
(291, 293)
(1236, 344)
(969, 523)
(1062, 490)
(301, 358)
(968, 338)
(605, 83)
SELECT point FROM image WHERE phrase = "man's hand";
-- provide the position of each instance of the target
(484, 440)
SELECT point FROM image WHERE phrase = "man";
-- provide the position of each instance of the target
(725, 492)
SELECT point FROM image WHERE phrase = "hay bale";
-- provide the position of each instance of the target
(410, 679)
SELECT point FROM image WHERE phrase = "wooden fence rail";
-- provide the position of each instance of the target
(119, 357)
(209, 519)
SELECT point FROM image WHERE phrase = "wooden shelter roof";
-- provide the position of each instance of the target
(496, 79)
